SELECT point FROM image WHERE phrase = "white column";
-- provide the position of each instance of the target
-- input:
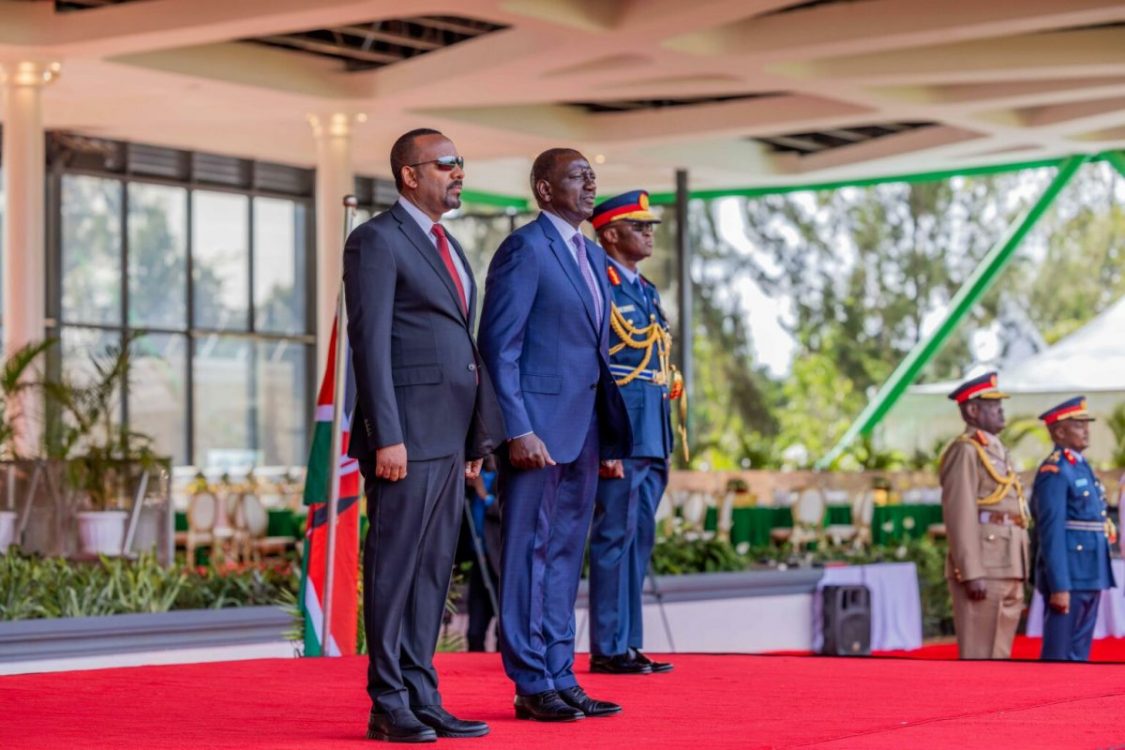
(334, 180)
(24, 254)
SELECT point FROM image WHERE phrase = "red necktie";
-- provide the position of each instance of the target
(443, 250)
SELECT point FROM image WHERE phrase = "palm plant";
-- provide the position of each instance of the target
(1116, 422)
(1021, 428)
(14, 383)
(87, 434)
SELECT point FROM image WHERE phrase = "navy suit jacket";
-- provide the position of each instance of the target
(1070, 559)
(548, 359)
(417, 370)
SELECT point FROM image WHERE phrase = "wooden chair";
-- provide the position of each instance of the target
(202, 516)
(253, 520)
(808, 520)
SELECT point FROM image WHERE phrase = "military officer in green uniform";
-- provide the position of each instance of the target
(986, 520)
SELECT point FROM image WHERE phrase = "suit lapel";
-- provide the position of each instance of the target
(570, 266)
(426, 249)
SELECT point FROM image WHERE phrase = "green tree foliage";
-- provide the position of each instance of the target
(1082, 271)
(866, 271)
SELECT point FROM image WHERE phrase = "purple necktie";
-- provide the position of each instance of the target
(588, 275)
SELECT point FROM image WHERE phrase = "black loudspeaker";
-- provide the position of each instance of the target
(847, 620)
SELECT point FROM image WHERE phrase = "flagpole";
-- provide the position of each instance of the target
(340, 377)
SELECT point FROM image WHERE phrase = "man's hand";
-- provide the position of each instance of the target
(977, 589)
(529, 452)
(472, 468)
(390, 462)
(1060, 602)
(611, 469)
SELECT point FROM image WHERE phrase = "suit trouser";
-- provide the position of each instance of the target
(986, 628)
(480, 605)
(545, 515)
(407, 564)
(1067, 637)
(621, 543)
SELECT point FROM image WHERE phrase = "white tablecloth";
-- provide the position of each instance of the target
(896, 607)
(1111, 609)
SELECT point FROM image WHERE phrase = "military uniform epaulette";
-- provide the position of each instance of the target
(1051, 464)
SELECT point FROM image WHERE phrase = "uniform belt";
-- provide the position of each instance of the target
(620, 371)
(1002, 519)
(1086, 525)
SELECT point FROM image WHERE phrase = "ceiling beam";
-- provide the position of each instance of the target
(879, 25)
(403, 40)
(327, 48)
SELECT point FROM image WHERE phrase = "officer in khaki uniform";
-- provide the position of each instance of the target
(986, 519)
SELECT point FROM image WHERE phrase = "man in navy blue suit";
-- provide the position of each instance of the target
(1072, 567)
(544, 338)
(624, 529)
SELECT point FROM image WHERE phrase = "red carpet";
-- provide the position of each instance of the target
(709, 701)
(1108, 650)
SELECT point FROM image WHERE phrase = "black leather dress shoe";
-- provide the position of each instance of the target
(546, 706)
(576, 697)
(448, 725)
(400, 725)
(655, 666)
(618, 664)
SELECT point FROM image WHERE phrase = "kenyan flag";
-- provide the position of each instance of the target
(341, 638)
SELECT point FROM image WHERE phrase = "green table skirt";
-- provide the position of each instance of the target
(282, 522)
(891, 523)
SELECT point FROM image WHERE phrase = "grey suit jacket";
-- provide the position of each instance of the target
(417, 369)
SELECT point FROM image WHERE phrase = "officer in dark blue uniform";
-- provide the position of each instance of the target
(624, 529)
(1072, 566)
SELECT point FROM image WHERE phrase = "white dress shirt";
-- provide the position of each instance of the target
(427, 226)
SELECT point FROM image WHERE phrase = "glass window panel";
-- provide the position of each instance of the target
(82, 350)
(220, 260)
(91, 250)
(157, 255)
(279, 266)
(224, 422)
(282, 409)
(158, 392)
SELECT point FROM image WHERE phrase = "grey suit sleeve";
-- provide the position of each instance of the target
(370, 277)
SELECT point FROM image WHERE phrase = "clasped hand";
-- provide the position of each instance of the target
(529, 452)
(390, 463)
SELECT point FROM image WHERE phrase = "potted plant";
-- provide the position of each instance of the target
(14, 382)
(99, 451)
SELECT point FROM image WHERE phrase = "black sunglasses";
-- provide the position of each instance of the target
(641, 227)
(444, 163)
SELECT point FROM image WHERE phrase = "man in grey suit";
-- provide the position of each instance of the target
(425, 416)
